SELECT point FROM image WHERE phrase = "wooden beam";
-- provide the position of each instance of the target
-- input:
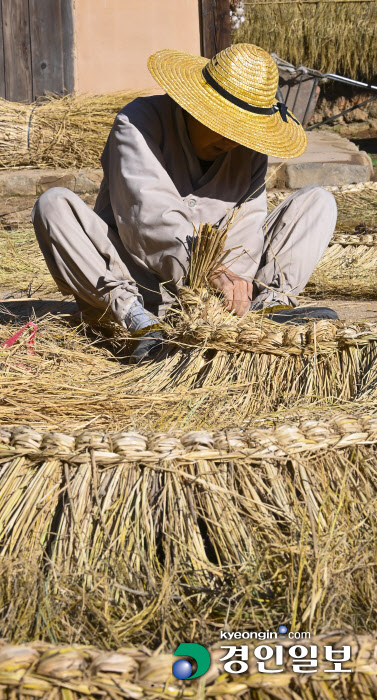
(214, 26)
(17, 53)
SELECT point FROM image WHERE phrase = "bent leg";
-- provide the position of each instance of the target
(297, 234)
(83, 254)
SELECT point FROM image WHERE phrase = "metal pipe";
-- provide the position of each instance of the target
(341, 79)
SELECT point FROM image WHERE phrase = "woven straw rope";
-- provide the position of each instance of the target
(39, 667)
(250, 335)
(304, 435)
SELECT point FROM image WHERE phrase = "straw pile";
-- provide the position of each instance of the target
(317, 33)
(47, 670)
(348, 267)
(57, 131)
(145, 537)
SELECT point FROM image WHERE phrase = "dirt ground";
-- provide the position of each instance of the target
(15, 213)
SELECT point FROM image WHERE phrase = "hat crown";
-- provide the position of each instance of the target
(247, 72)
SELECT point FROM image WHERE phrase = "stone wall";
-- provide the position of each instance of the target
(335, 98)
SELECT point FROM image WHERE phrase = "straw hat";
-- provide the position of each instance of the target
(234, 94)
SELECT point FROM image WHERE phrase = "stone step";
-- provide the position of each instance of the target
(329, 160)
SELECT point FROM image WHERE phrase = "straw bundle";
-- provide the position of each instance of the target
(48, 670)
(320, 34)
(57, 131)
(348, 267)
(140, 535)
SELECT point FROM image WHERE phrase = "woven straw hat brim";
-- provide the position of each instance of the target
(180, 75)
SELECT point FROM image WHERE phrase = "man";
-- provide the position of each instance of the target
(172, 161)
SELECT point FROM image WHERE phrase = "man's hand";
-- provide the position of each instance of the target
(237, 291)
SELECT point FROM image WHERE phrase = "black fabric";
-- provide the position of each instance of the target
(302, 314)
(147, 347)
(278, 107)
(205, 164)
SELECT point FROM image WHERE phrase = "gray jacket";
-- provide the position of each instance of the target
(154, 191)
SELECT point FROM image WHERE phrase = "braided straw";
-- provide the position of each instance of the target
(204, 323)
(248, 73)
(305, 435)
(48, 670)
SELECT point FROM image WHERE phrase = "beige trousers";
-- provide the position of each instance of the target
(87, 259)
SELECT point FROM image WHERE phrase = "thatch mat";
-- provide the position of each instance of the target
(356, 204)
(146, 537)
(348, 268)
(47, 670)
(251, 365)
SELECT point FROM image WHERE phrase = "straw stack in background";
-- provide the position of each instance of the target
(348, 268)
(57, 131)
(321, 34)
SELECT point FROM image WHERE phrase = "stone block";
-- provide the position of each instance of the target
(88, 180)
(55, 178)
(17, 182)
(326, 174)
(33, 182)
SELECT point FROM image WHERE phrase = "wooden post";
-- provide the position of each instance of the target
(2, 60)
(46, 46)
(17, 52)
(214, 26)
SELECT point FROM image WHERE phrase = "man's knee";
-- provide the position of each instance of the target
(319, 196)
(46, 207)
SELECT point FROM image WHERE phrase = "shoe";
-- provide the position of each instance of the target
(147, 347)
(301, 314)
